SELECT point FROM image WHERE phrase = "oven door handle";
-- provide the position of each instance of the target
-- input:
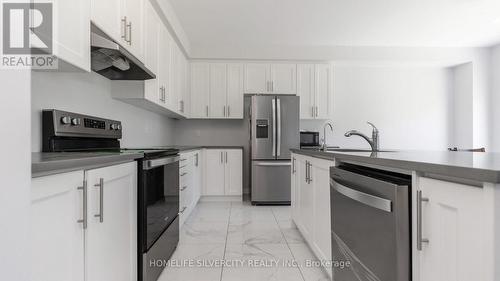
(363, 198)
(153, 163)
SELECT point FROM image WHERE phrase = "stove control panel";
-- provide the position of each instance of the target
(70, 124)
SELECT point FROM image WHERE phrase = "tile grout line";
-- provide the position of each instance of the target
(286, 242)
(225, 243)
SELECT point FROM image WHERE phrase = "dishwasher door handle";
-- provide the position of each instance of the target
(361, 197)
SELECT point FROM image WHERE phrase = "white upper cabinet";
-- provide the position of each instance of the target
(324, 91)
(315, 88)
(122, 20)
(71, 33)
(56, 237)
(234, 91)
(263, 78)
(283, 78)
(134, 11)
(199, 77)
(108, 16)
(152, 24)
(305, 90)
(218, 90)
(257, 78)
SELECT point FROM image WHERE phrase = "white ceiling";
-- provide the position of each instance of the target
(237, 24)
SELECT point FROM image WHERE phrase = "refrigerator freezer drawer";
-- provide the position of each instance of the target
(271, 182)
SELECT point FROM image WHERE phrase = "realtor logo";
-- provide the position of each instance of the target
(27, 36)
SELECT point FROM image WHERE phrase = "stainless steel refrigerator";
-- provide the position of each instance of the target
(274, 131)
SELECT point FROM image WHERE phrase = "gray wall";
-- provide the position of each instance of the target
(90, 93)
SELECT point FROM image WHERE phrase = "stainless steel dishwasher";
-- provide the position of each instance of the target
(370, 213)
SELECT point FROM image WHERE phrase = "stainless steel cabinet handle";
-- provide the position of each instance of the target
(228, 111)
(101, 200)
(363, 198)
(84, 220)
(307, 171)
(197, 160)
(129, 28)
(310, 177)
(226, 157)
(224, 110)
(312, 111)
(182, 211)
(272, 86)
(183, 188)
(221, 158)
(123, 28)
(420, 240)
(293, 165)
(207, 110)
(267, 86)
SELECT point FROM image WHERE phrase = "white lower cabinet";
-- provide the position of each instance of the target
(457, 221)
(190, 174)
(223, 172)
(311, 203)
(63, 247)
(56, 236)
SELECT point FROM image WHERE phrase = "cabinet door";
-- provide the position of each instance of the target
(173, 97)
(454, 221)
(56, 238)
(305, 90)
(306, 207)
(233, 172)
(214, 172)
(107, 16)
(111, 243)
(164, 65)
(71, 32)
(322, 231)
(283, 78)
(200, 74)
(323, 88)
(218, 90)
(235, 91)
(257, 78)
(134, 11)
(152, 24)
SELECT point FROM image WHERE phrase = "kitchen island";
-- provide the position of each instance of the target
(454, 207)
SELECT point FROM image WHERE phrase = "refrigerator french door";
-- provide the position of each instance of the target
(274, 131)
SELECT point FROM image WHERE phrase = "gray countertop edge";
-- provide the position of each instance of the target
(189, 148)
(468, 173)
(87, 163)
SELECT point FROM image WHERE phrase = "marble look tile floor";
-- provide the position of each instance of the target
(258, 243)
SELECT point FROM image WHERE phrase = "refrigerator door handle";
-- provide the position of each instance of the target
(273, 102)
(278, 150)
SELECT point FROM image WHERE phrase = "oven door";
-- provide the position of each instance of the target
(160, 197)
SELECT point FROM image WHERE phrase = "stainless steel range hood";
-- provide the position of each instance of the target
(112, 61)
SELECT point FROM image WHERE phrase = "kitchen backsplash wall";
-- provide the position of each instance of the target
(411, 106)
(90, 93)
